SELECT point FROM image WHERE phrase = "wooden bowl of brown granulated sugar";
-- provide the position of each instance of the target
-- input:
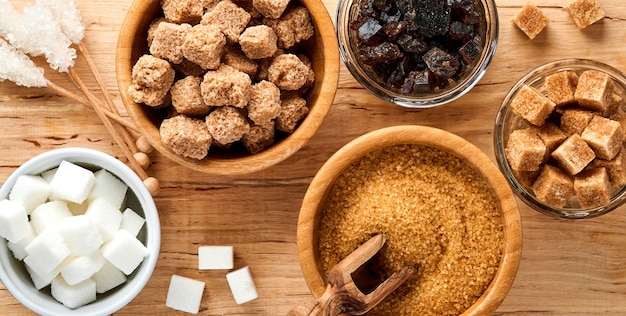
(443, 207)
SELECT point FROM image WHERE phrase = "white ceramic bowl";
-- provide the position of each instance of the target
(13, 273)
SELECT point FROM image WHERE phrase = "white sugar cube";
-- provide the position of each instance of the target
(132, 222)
(49, 215)
(81, 235)
(184, 294)
(105, 216)
(42, 280)
(108, 186)
(48, 175)
(241, 285)
(72, 182)
(215, 257)
(46, 252)
(73, 296)
(30, 191)
(13, 221)
(108, 277)
(125, 252)
(81, 268)
(19, 248)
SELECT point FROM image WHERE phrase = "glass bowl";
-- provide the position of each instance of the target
(507, 121)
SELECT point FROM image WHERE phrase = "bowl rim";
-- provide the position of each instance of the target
(309, 217)
(533, 76)
(27, 294)
(270, 156)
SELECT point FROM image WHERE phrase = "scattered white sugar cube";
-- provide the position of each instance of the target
(19, 248)
(215, 257)
(72, 182)
(77, 209)
(42, 280)
(132, 222)
(81, 268)
(108, 277)
(125, 252)
(49, 215)
(81, 235)
(241, 285)
(73, 296)
(30, 191)
(105, 216)
(13, 221)
(184, 294)
(108, 186)
(46, 252)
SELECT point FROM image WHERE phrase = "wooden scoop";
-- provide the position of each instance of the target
(342, 295)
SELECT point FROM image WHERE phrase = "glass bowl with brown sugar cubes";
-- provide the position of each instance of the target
(560, 138)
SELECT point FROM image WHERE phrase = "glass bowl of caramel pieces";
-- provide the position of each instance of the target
(559, 138)
(417, 53)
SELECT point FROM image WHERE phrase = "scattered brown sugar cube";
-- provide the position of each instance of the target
(593, 188)
(575, 121)
(227, 124)
(616, 168)
(168, 41)
(288, 72)
(551, 136)
(151, 80)
(182, 11)
(186, 136)
(264, 104)
(229, 18)
(585, 12)
(204, 45)
(226, 86)
(293, 110)
(258, 137)
(272, 9)
(152, 29)
(604, 136)
(187, 98)
(573, 155)
(594, 90)
(553, 186)
(561, 87)
(531, 20)
(532, 105)
(234, 57)
(293, 27)
(525, 150)
(258, 42)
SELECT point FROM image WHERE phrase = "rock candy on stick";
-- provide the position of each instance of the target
(17, 67)
(67, 13)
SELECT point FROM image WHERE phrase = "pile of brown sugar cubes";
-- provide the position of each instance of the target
(571, 152)
(226, 72)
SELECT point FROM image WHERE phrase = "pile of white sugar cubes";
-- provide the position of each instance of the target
(67, 226)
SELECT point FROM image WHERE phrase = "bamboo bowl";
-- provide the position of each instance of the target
(322, 50)
(313, 204)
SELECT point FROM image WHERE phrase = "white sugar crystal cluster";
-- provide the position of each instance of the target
(67, 226)
(19, 68)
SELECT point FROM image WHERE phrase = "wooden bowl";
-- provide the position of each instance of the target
(316, 195)
(322, 50)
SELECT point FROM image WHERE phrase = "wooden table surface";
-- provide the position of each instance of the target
(567, 267)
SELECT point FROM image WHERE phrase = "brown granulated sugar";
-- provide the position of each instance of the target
(437, 214)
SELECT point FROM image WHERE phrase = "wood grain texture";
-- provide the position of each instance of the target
(567, 268)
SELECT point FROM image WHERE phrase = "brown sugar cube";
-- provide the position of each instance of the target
(553, 186)
(573, 155)
(229, 18)
(575, 121)
(594, 90)
(258, 137)
(616, 168)
(208, 5)
(615, 105)
(186, 136)
(227, 124)
(258, 42)
(585, 12)
(204, 45)
(310, 79)
(604, 136)
(151, 81)
(152, 29)
(226, 86)
(551, 136)
(293, 27)
(532, 105)
(264, 104)
(531, 20)
(264, 65)
(288, 72)
(524, 150)
(526, 178)
(189, 68)
(561, 87)
(272, 9)
(593, 188)
(620, 118)
(293, 110)
(182, 11)
(234, 57)
(168, 41)
(187, 97)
